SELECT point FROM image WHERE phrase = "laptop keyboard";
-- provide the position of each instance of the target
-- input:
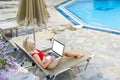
(54, 54)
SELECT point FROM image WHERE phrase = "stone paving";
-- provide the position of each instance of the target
(104, 47)
(105, 50)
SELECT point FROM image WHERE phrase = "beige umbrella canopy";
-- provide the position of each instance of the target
(32, 12)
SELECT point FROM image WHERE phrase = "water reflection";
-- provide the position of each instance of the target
(105, 5)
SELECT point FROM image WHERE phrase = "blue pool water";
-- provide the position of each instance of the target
(102, 13)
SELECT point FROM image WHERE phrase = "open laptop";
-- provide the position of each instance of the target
(57, 49)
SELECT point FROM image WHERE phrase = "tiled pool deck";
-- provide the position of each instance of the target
(105, 47)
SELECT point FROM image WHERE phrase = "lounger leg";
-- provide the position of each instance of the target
(33, 64)
(22, 62)
(53, 77)
(36, 69)
(73, 73)
(87, 63)
(80, 68)
(49, 77)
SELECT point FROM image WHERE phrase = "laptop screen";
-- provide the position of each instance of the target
(58, 47)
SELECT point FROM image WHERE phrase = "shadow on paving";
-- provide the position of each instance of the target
(63, 76)
(91, 73)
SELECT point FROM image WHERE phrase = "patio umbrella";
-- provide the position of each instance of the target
(32, 12)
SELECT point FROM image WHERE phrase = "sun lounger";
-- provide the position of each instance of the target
(9, 10)
(9, 2)
(8, 16)
(65, 64)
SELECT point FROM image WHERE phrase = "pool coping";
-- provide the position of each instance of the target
(79, 23)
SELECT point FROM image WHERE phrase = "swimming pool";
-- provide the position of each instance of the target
(103, 15)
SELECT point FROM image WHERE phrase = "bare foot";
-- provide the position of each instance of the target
(79, 56)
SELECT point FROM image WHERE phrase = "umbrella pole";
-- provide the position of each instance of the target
(34, 35)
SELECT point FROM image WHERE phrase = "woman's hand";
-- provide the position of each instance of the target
(46, 53)
(53, 58)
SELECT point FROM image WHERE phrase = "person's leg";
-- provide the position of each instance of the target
(53, 64)
(73, 54)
